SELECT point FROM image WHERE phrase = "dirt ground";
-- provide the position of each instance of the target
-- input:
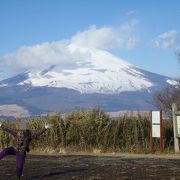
(88, 167)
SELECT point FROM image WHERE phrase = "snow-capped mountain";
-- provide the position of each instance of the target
(105, 73)
(101, 79)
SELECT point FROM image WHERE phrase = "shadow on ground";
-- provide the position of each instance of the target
(64, 173)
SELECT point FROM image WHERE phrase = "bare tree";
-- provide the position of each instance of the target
(169, 95)
(166, 97)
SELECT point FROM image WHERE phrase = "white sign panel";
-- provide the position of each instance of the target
(156, 131)
(155, 117)
(178, 125)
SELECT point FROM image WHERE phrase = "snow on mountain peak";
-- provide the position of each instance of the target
(101, 72)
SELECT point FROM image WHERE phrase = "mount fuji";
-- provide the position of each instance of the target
(101, 79)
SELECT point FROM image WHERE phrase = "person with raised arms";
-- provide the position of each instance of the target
(22, 139)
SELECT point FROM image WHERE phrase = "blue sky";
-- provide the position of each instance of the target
(146, 34)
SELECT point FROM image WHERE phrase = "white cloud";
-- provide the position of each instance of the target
(58, 53)
(108, 37)
(38, 56)
(167, 39)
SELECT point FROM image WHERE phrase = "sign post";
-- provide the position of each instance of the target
(176, 127)
(156, 129)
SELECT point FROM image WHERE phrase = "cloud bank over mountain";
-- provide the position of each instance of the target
(63, 53)
(41, 56)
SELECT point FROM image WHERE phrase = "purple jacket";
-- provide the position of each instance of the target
(22, 138)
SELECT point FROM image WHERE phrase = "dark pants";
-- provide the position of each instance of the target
(20, 158)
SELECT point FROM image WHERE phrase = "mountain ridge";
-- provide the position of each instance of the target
(102, 80)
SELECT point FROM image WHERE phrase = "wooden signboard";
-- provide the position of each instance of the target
(156, 129)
